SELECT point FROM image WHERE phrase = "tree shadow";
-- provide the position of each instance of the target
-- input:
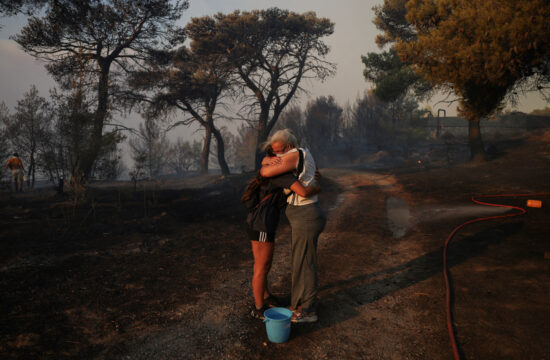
(342, 299)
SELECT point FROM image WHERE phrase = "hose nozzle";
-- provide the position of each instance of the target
(534, 203)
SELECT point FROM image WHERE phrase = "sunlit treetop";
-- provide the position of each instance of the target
(481, 49)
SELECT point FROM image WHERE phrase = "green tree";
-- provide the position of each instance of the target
(482, 50)
(393, 78)
(272, 52)
(101, 41)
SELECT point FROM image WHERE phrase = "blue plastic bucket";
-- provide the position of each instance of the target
(277, 324)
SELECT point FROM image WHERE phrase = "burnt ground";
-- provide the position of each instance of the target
(163, 272)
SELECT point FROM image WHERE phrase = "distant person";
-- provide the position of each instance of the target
(16, 166)
(307, 221)
(268, 193)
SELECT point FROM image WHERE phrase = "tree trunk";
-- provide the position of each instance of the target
(99, 118)
(206, 149)
(262, 137)
(29, 172)
(264, 129)
(477, 150)
(150, 160)
(221, 151)
(33, 173)
(32, 166)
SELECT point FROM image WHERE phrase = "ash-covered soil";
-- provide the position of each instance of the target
(163, 272)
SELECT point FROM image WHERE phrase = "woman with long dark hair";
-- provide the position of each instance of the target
(270, 191)
(306, 218)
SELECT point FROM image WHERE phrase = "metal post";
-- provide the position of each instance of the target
(438, 129)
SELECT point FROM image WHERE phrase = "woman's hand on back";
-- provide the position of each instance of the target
(288, 163)
(271, 160)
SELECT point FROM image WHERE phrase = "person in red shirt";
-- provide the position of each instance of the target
(16, 166)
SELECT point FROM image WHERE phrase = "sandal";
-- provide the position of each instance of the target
(258, 313)
(304, 317)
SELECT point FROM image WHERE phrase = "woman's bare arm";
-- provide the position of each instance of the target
(288, 163)
(271, 160)
(304, 191)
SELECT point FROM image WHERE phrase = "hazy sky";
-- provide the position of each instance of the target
(353, 36)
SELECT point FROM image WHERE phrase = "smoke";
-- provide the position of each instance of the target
(401, 218)
(432, 214)
(398, 216)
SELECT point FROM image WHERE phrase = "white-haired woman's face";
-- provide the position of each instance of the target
(279, 147)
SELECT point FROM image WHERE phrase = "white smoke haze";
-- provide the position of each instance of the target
(400, 217)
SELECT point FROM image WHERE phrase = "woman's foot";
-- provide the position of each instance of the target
(304, 317)
(258, 313)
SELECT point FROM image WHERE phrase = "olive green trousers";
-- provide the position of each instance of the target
(306, 222)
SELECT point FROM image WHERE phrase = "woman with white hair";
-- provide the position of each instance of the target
(264, 197)
(306, 219)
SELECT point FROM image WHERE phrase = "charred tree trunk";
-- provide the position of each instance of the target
(264, 129)
(206, 149)
(221, 152)
(477, 150)
(94, 147)
(263, 132)
(32, 170)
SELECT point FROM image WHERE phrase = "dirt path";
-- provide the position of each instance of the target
(381, 283)
(373, 303)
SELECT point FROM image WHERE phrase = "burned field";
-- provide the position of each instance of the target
(163, 272)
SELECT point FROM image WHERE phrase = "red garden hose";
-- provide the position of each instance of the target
(520, 210)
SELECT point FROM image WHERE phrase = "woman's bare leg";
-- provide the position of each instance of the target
(263, 257)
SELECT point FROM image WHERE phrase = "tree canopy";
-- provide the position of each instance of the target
(392, 77)
(100, 41)
(482, 50)
(271, 50)
(14, 7)
(390, 18)
(194, 83)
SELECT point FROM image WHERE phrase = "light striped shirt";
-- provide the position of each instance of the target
(306, 177)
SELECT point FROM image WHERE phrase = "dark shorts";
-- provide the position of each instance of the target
(260, 236)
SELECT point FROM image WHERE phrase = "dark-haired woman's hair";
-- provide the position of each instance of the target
(254, 183)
